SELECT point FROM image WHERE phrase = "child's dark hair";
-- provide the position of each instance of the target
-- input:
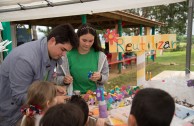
(87, 28)
(153, 107)
(63, 115)
(79, 101)
(64, 33)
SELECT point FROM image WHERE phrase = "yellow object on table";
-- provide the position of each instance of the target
(116, 122)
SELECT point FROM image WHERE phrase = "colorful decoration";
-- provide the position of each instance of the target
(109, 98)
(31, 110)
(90, 92)
(119, 97)
(101, 103)
(90, 97)
(99, 94)
(91, 100)
(139, 43)
(111, 36)
(114, 98)
(86, 97)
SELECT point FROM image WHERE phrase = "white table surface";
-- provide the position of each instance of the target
(175, 83)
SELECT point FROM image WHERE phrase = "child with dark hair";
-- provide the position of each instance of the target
(151, 107)
(78, 100)
(40, 96)
(67, 114)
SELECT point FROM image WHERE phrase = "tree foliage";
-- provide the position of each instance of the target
(173, 15)
(45, 31)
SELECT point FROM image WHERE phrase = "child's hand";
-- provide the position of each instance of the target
(61, 90)
(62, 99)
(90, 113)
(96, 76)
(68, 79)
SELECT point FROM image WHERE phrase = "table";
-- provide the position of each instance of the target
(121, 116)
(175, 83)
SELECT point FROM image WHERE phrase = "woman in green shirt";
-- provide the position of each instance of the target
(80, 61)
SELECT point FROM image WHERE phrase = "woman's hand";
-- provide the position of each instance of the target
(96, 76)
(68, 79)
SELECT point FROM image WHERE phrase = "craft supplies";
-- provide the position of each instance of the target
(90, 73)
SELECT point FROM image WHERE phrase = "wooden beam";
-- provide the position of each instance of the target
(106, 20)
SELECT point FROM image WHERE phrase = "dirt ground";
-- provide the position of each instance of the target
(115, 72)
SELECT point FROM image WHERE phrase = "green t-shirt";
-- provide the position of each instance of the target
(80, 65)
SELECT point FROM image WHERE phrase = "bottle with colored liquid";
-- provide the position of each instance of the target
(101, 103)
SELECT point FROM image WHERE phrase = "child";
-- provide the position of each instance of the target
(151, 107)
(40, 96)
(79, 101)
(67, 114)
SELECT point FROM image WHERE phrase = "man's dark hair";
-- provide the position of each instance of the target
(87, 28)
(79, 101)
(153, 107)
(63, 115)
(64, 33)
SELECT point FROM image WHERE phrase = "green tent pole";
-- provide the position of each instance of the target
(141, 30)
(153, 30)
(120, 53)
(6, 35)
(84, 19)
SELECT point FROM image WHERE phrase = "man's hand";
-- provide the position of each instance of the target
(61, 90)
(62, 99)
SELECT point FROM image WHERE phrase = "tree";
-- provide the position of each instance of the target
(173, 15)
(45, 31)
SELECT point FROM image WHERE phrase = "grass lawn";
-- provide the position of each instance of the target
(168, 61)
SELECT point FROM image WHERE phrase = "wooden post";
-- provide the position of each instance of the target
(141, 64)
(13, 35)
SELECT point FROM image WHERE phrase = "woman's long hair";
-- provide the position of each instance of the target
(85, 29)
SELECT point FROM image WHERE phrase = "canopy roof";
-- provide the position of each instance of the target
(17, 10)
(100, 20)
